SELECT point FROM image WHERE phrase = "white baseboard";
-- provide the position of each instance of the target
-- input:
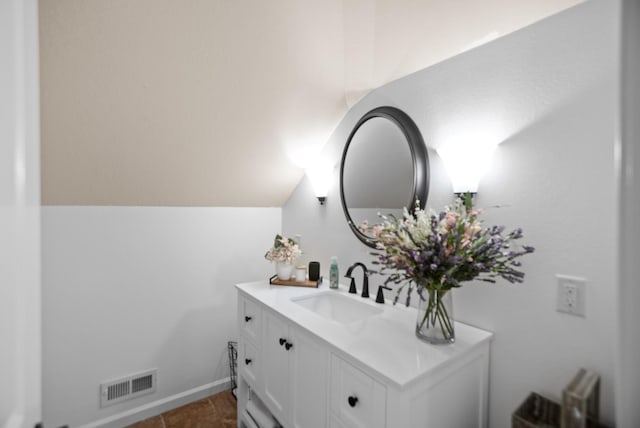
(154, 408)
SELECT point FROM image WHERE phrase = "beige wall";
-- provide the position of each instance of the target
(160, 102)
(218, 103)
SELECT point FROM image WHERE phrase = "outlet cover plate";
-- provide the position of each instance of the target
(571, 297)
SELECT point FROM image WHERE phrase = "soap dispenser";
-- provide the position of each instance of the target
(333, 273)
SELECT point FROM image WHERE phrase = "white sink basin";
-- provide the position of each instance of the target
(337, 307)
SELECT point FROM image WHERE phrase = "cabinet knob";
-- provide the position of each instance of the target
(247, 361)
(288, 345)
(247, 318)
(353, 400)
(282, 341)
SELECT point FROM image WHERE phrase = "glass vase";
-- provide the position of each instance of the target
(435, 317)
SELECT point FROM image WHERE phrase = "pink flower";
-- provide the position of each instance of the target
(451, 219)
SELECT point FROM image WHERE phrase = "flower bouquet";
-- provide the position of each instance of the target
(284, 253)
(435, 252)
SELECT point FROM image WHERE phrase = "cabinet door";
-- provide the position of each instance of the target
(250, 317)
(249, 362)
(276, 346)
(309, 361)
(358, 400)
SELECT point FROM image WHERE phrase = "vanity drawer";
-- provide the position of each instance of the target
(357, 400)
(250, 318)
(249, 362)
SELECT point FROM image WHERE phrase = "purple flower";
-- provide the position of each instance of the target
(448, 248)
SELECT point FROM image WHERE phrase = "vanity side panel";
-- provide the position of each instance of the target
(456, 397)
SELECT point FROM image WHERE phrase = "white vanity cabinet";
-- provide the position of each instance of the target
(295, 373)
(314, 372)
(286, 368)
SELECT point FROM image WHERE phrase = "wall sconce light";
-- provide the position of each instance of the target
(320, 176)
(466, 163)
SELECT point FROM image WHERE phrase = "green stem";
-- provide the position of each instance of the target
(436, 315)
(445, 321)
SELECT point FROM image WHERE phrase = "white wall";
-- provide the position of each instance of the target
(20, 402)
(628, 391)
(549, 94)
(132, 288)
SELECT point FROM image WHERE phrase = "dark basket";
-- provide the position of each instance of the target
(537, 412)
(233, 365)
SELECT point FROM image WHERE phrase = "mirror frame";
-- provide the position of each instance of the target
(419, 156)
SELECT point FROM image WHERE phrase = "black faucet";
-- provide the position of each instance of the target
(380, 296)
(365, 279)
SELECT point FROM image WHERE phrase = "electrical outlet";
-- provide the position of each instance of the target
(571, 295)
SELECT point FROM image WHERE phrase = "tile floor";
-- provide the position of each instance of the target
(216, 411)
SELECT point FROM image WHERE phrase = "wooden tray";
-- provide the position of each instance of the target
(274, 280)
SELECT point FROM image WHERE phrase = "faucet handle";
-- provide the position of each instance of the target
(380, 295)
(352, 286)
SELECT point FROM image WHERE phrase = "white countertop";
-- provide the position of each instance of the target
(386, 343)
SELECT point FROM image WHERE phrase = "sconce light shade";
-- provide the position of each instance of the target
(466, 163)
(320, 177)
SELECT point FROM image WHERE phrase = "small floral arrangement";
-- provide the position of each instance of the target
(439, 251)
(284, 250)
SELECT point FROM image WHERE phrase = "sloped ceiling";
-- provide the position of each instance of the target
(222, 103)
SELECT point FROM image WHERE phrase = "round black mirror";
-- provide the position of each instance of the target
(384, 168)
